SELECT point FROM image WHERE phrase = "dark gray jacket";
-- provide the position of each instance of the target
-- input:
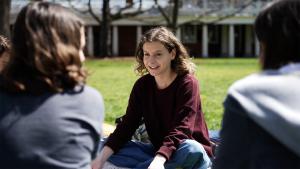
(57, 131)
(261, 122)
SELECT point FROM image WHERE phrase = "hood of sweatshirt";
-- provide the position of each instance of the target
(272, 100)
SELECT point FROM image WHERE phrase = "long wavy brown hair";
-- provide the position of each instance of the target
(45, 50)
(182, 63)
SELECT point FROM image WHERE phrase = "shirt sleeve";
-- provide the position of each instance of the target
(129, 123)
(187, 113)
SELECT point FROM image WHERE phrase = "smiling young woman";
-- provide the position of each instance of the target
(157, 60)
(167, 98)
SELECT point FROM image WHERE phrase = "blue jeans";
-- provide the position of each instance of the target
(137, 155)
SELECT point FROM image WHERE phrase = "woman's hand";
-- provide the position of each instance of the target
(99, 161)
(158, 162)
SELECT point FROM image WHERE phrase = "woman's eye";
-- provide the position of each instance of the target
(158, 55)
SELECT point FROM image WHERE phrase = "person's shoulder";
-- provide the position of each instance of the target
(187, 79)
(91, 90)
(262, 81)
(143, 80)
(240, 93)
(91, 100)
(187, 76)
(252, 87)
(92, 93)
(245, 83)
(83, 94)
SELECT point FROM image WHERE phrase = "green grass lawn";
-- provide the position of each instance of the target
(114, 78)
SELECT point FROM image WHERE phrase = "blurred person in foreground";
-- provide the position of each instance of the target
(49, 118)
(261, 121)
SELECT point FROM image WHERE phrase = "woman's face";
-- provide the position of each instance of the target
(157, 59)
(3, 60)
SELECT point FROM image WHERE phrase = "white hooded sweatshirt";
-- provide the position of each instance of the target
(272, 100)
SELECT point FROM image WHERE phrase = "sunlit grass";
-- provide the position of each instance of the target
(114, 78)
(215, 77)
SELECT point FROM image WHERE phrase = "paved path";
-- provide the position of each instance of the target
(107, 129)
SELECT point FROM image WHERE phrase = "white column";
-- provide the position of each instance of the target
(231, 41)
(138, 34)
(249, 41)
(115, 45)
(257, 47)
(204, 41)
(204, 5)
(178, 33)
(224, 40)
(90, 41)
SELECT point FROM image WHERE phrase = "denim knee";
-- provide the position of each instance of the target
(193, 147)
(196, 154)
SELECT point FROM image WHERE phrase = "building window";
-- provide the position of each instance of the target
(189, 34)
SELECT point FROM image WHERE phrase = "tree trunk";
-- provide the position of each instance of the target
(4, 17)
(105, 33)
(173, 25)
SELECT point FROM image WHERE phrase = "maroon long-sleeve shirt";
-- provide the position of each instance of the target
(171, 115)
